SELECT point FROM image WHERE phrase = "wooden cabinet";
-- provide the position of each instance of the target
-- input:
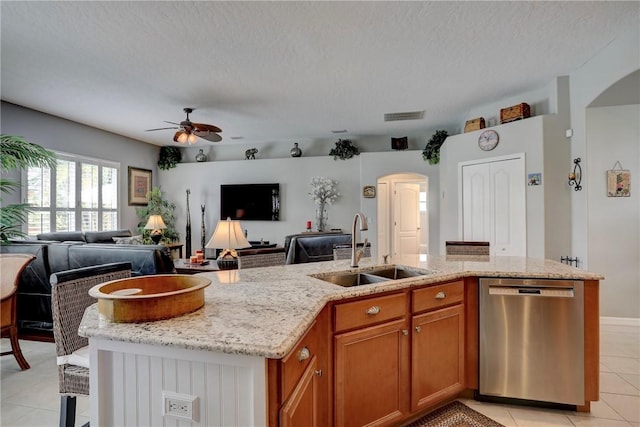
(302, 408)
(298, 384)
(437, 344)
(437, 355)
(371, 372)
(398, 354)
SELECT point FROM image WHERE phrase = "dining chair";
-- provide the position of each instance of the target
(69, 300)
(11, 267)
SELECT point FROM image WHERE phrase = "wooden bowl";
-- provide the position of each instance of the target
(149, 298)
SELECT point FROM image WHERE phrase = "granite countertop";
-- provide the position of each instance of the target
(264, 311)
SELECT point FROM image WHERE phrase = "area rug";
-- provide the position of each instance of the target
(455, 414)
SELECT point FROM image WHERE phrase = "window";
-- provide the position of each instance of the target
(81, 194)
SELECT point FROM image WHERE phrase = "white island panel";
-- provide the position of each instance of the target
(230, 389)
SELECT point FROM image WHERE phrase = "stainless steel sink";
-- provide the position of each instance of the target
(395, 273)
(351, 279)
(376, 275)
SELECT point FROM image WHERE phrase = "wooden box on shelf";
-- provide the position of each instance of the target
(515, 112)
(474, 124)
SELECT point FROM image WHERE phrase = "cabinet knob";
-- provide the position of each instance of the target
(441, 295)
(304, 354)
(405, 332)
(418, 329)
(374, 310)
(318, 372)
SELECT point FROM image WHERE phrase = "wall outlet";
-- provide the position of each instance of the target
(182, 406)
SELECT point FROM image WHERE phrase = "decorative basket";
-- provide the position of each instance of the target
(474, 124)
(515, 112)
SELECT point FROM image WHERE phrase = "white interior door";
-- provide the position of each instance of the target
(406, 216)
(494, 205)
(384, 219)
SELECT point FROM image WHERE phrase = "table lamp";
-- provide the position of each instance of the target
(155, 224)
(229, 237)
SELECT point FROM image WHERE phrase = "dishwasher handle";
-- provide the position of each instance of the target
(530, 291)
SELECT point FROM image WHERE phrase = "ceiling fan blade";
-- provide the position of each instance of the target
(209, 136)
(149, 130)
(173, 123)
(205, 127)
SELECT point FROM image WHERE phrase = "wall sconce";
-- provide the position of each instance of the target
(575, 177)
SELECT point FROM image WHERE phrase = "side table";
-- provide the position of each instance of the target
(183, 266)
(173, 247)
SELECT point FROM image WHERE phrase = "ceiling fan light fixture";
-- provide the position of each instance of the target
(192, 139)
(182, 139)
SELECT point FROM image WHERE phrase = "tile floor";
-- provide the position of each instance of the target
(30, 398)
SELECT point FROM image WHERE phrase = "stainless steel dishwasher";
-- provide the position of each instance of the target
(532, 340)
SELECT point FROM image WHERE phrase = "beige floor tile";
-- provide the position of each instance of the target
(600, 409)
(633, 379)
(597, 422)
(627, 406)
(621, 365)
(614, 383)
(539, 418)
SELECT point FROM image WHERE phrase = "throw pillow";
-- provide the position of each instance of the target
(133, 240)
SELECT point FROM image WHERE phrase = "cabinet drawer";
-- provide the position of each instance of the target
(438, 296)
(370, 311)
(294, 364)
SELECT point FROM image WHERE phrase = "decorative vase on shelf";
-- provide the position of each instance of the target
(296, 151)
(201, 157)
(321, 217)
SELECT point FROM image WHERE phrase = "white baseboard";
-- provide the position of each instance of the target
(620, 321)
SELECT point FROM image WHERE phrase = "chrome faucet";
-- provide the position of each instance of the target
(357, 254)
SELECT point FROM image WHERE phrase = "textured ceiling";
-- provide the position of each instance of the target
(289, 71)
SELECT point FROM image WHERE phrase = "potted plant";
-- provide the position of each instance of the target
(18, 153)
(157, 205)
(432, 151)
(344, 149)
(169, 157)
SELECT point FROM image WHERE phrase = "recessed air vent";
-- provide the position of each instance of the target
(237, 137)
(409, 115)
(339, 131)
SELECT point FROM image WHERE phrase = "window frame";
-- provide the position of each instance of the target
(79, 161)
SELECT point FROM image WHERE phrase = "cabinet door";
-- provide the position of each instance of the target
(371, 375)
(302, 408)
(437, 355)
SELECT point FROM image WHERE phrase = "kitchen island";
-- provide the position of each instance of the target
(270, 340)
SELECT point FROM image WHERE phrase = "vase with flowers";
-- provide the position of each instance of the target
(324, 191)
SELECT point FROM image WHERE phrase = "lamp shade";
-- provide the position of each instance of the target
(228, 235)
(155, 222)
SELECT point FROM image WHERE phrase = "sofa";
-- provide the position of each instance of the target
(302, 248)
(69, 250)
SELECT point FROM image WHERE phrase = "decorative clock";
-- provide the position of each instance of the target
(488, 140)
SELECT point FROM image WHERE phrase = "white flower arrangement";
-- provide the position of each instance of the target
(324, 191)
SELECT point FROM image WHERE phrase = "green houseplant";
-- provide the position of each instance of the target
(344, 149)
(432, 151)
(157, 205)
(16, 154)
(169, 157)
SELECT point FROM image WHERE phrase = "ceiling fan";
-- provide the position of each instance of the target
(188, 131)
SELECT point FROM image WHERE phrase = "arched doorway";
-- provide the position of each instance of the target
(403, 215)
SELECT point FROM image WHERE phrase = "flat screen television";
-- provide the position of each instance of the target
(250, 202)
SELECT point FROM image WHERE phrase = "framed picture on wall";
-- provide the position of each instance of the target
(139, 185)
(618, 183)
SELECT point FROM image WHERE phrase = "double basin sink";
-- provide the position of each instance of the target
(371, 276)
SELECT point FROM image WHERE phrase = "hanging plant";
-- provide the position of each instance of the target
(169, 157)
(344, 149)
(432, 151)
